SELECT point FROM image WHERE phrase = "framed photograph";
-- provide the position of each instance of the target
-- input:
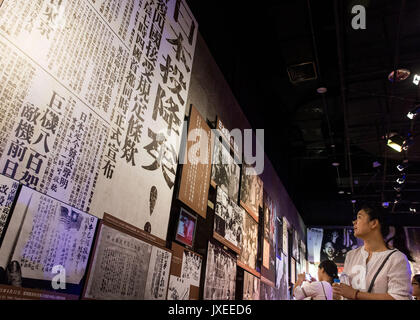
(220, 279)
(251, 287)
(185, 231)
(295, 245)
(293, 270)
(225, 172)
(282, 277)
(279, 237)
(185, 274)
(228, 221)
(126, 266)
(45, 235)
(249, 251)
(336, 242)
(285, 237)
(251, 194)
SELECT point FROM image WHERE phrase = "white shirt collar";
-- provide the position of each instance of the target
(365, 253)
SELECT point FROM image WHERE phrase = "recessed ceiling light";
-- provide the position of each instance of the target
(336, 164)
(321, 90)
(341, 192)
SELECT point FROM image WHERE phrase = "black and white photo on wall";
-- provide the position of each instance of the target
(185, 232)
(225, 172)
(295, 244)
(228, 218)
(127, 267)
(336, 242)
(282, 277)
(220, 276)
(251, 289)
(251, 194)
(279, 237)
(45, 236)
(178, 288)
(249, 249)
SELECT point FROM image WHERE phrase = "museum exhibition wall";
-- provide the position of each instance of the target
(103, 102)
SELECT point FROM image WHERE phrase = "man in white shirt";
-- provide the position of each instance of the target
(375, 272)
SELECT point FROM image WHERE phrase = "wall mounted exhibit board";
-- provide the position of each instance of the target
(220, 278)
(228, 221)
(229, 139)
(196, 170)
(331, 243)
(285, 236)
(8, 189)
(314, 244)
(251, 195)
(249, 250)
(251, 287)
(282, 277)
(184, 281)
(268, 292)
(96, 121)
(225, 172)
(45, 235)
(293, 270)
(126, 265)
(268, 267)
(279, 237)
(295, 244)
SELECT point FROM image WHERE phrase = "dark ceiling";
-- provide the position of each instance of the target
(254, 44)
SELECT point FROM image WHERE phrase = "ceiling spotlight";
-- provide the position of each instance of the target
(407, 143)
(336, 164)
(416, 79)
(402, 74)
(341, 192)
(321, 90)
(396, 142)
(401, 179)
(349, 192)
(402, 167)
(385, 204)
(413, 210)
(376, 164)
(353, 201)
(414, 112)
